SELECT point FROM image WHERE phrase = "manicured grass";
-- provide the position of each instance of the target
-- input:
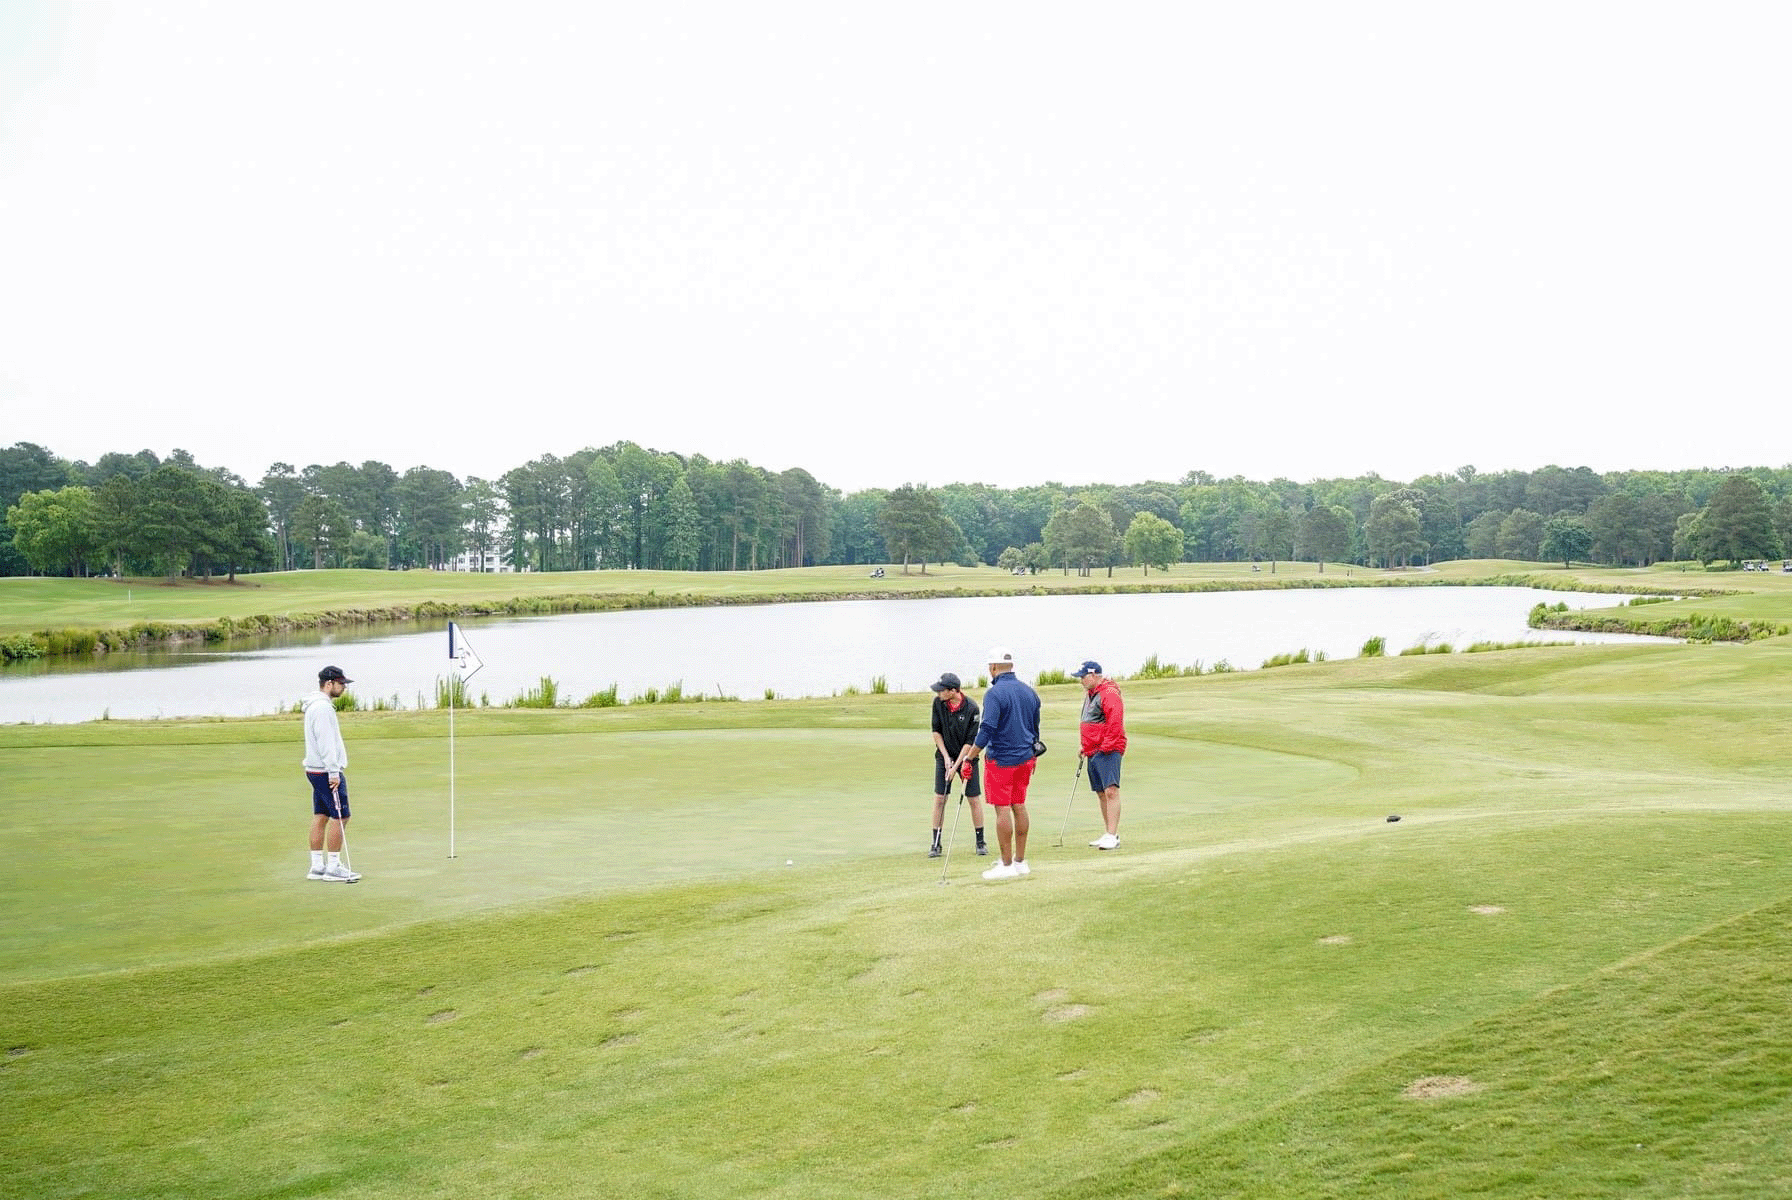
(1580, 923)
(28, 604)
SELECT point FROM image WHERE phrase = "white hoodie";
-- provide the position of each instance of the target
(324, 750)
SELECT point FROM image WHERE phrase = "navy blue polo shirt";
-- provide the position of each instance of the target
(1010, 721)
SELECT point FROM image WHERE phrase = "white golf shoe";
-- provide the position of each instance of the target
(1107, 841)
(337, 873)
(315, 873)
(1001, 871)
(1021, 867)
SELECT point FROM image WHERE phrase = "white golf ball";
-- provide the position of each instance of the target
(790, 862)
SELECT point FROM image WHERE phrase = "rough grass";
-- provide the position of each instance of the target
(1572, 948)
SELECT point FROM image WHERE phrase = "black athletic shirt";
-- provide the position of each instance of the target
(956, 729)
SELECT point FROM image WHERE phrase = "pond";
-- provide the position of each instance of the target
(790, 650)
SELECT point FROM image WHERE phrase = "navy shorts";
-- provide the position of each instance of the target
(323, 804)
(1104, 771)
(972, 786)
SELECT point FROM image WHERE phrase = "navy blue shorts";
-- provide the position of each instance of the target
(1104, 771)
(322, 803)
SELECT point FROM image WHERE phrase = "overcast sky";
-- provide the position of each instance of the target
(889, 243)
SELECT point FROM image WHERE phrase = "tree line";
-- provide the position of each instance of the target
(624, 506)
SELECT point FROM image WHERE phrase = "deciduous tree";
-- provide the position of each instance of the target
(56, 531)
(1152, 541)
(915, 526)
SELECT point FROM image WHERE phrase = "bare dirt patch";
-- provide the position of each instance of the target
(1485, 910)
(1142, 1097)
(1065, 1012)
(447, 1014)
(1440, 1087)
(1336, 939)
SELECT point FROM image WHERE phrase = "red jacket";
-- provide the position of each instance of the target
(1104, 720)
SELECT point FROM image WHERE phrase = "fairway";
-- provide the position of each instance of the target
(1563, 972)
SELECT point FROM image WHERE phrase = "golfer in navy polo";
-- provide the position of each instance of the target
(1005, 741)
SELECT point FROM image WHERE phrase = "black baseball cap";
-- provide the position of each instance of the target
(329, 673)
(948, 680)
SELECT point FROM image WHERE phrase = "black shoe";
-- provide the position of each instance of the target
(982, 849)
(935, 852)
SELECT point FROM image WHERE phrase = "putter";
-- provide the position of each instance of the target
(944, 866)
(342, 828)
(1071, 803)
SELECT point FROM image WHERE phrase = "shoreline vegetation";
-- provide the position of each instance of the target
(377, 597)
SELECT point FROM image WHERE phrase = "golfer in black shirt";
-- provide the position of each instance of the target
(954, 727)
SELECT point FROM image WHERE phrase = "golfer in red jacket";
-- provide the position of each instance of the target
(1104, 742)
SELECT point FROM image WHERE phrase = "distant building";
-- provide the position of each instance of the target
(488, 563)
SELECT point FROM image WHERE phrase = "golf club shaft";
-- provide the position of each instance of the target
(954, 836)
(341, 825)
(1071, 803)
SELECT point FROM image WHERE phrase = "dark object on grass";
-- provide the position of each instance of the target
(1394, 817)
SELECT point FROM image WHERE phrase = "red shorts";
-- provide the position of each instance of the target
(1003, 786)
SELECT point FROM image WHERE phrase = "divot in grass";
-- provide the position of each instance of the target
(1440, 1087)
(532, 1052)
(442, 1016)
(584, 970)
(1485, 910)
(1070, 1076)
(1336, 939)
(1065, 1012)
(1053, 995)
(1142, 1097)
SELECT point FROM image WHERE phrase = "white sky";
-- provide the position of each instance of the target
(887, 243)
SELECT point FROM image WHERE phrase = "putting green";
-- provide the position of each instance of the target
(197, 850)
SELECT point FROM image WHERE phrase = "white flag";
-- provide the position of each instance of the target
(465, 661)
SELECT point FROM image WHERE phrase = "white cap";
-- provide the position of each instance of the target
(1001, 654)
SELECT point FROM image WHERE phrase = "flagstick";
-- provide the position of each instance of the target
(451, 768)
(458, 653)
